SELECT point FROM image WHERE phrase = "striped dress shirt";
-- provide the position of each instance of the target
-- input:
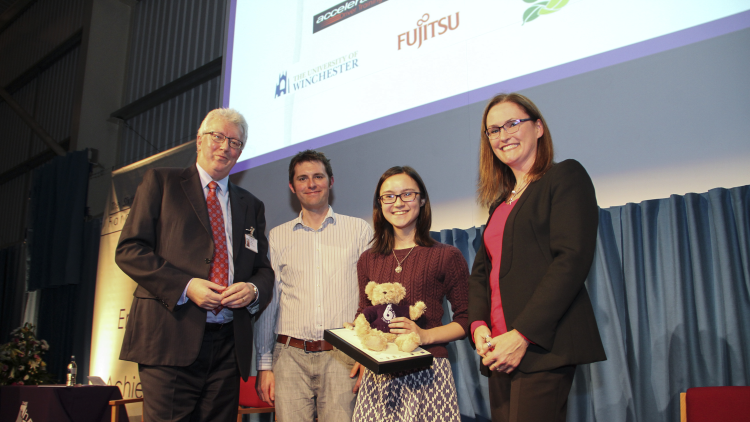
(316, 284)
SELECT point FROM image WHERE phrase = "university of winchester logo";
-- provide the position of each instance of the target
(281, 86)
(323, 72)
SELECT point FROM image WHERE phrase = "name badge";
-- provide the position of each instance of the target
(251, 242)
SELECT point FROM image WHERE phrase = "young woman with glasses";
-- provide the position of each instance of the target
(530, 316)
(403, 251)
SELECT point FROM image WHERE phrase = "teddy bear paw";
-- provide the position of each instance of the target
(417, 310)
(375, 342)
(361, 326)
(408, 342)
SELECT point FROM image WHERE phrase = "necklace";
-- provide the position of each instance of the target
(515, 193)
(398, 268)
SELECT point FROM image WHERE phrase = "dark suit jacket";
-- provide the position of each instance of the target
(548, 247)
(165, 242)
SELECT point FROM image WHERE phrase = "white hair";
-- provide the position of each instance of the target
(228, 115)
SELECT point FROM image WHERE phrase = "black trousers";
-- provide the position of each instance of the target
(535, 397)
(207, 390)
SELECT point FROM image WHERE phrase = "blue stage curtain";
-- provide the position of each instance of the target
(670, 286)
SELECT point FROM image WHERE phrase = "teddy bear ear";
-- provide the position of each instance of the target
(368, 289)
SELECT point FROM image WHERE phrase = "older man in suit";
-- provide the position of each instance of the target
(195, 243)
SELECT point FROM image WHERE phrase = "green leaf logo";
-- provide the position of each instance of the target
(533, 12)
(542, 8)
(553, 6)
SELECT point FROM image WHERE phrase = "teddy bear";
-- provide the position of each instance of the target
(371, 326)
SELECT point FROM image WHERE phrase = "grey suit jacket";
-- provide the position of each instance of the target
(548, 247)
(165, 242)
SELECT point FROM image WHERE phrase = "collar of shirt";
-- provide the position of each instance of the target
(330, 218)
(206, 179)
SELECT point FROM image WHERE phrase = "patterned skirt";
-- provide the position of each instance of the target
(414, 396)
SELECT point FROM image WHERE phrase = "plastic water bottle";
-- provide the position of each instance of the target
(72, 371)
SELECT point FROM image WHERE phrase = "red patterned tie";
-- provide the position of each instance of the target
(219, 272)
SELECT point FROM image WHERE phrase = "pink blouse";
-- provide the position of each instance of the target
(493, 244)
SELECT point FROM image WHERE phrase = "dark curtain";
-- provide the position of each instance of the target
(64, 257)
(670, 286)
(12, 290)
(66, 313)
(58, 206)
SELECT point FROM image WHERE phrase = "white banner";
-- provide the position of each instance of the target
(305, 69)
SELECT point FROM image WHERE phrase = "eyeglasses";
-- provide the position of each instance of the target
(219, 139)
(511, 126)
(390, 198)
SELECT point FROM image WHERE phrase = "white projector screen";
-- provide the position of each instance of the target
(311, 73)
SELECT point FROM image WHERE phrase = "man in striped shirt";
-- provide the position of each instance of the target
(314, 258)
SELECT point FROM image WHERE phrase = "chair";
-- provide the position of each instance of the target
(708, 404)
(250, 402)
(116, 407)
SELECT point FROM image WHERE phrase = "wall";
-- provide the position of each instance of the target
(41, 54)
(102, 92)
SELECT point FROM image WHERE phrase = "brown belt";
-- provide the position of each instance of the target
(308, 346)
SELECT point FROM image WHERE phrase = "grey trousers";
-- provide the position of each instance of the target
(314, 383)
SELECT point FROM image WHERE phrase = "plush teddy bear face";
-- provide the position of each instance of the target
(385, 293)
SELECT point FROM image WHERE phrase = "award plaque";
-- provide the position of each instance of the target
(389, 360)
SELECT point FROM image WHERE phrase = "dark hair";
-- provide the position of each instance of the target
(383, 240)
(496, 179)
(310, 155)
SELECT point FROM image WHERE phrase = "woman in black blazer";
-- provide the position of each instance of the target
(531, 318)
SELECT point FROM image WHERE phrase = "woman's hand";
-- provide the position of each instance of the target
(357, 368)
(481, 335)
(403, 325)
(509, 349)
